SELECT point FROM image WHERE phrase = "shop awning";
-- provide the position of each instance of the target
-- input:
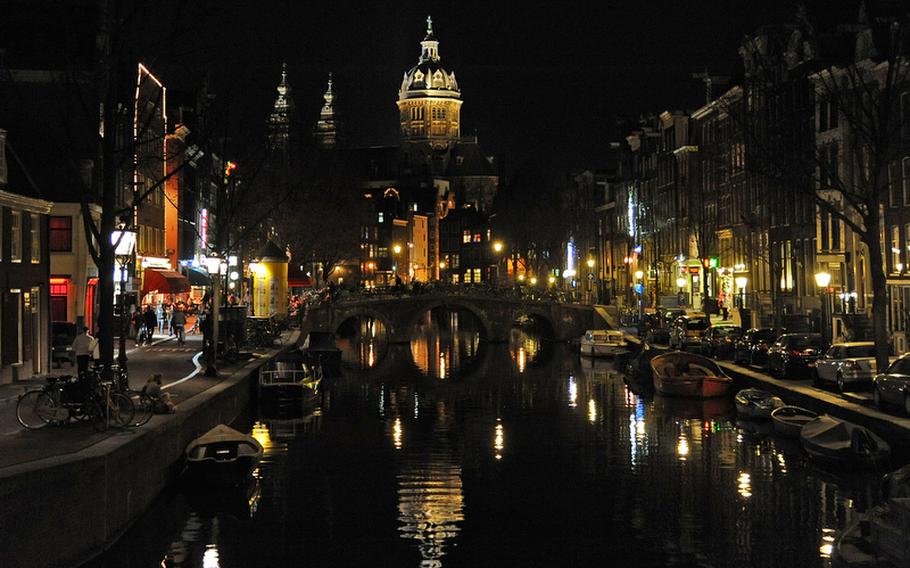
(164, 281)
(301, 282)
(198, 277)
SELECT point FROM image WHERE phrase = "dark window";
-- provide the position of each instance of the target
(61, 234)
(861, 351)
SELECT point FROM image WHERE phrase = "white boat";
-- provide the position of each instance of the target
(223, 456)
(603, 343)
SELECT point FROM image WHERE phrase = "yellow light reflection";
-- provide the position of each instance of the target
(573, 392)
(261, 433)
(210, 557)
(397, 433)
(827, 545)
(682, 447)
(442, 365)
(522, 359)
(371, 355)
(499, 440)
(744, 482)
(592, 411)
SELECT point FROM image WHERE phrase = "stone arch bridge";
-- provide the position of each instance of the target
(495, 314)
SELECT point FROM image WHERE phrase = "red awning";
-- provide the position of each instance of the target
(164, 282)
(302, 282)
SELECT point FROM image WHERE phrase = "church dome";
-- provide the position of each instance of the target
(429, 77)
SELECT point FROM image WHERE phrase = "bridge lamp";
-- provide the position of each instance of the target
(396, 249)
(497, 246)
(590, 263)
(533, 281)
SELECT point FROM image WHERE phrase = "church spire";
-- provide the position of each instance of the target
(326, 132)
(429, 47)
(280, 119)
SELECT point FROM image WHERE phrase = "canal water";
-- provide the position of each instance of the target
(454, 452)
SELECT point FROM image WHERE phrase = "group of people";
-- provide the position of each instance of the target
(164, 318)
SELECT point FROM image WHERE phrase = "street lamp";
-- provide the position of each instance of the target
(591, 292)
(124, 245)
(741, 282)
(497, 248)
(640, 289)
(822, 280)
(396, 250)
(533, 281)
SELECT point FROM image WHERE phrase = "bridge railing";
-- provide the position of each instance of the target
(516, 293)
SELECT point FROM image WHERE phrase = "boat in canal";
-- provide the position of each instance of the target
(686, 374)
(223, 456)
(603, 343)
(830, 439)
(788, 421)
(756, 404)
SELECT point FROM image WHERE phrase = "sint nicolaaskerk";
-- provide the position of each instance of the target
(427, 199)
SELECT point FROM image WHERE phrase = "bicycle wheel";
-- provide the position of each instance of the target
(96, 414)
(35, 410)
(145, 408)
(122, 409)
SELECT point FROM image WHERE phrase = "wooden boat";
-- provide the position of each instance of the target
(789, 420)
(223, 456)
(686, 374)
(830, 439)
(603, 343)
(756, 404)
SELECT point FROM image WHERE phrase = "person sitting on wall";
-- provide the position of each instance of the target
(161, 401)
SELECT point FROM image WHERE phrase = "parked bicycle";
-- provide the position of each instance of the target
(67, 398)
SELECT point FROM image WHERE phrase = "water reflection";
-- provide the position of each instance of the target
(363, 342)
(459, 453)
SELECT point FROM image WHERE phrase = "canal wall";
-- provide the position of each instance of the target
(62, 511)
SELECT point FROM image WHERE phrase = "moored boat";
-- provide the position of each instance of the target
(788, 421)
(603, 343)
(756, 403)
(223, 456)
(686, 374)
(833, 440)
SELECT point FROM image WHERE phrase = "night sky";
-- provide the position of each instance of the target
(539, 79)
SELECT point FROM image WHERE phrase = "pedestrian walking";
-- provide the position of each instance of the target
(178, 320)
(151, 323)
(83, 347)
(159, 315)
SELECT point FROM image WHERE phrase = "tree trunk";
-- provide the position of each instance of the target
(879, 291)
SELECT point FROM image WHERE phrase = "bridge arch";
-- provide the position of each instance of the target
(482, 319)
(363, 312)
(539, 315)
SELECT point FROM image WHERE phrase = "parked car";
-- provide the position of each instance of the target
(793, 353)
(893, 385)
(719, 341)
(847, 365)
(63, 333)
(742, 349)
(688, 330)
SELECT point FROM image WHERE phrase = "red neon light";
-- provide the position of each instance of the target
(59, 280)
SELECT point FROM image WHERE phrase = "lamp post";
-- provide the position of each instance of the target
(822, 280)
(396, 250)
(210, 341)
(497, 248)
(640, 289)
(741, 282)
(592, 288)
(124, 245)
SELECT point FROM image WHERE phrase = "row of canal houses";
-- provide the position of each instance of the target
(688, 214)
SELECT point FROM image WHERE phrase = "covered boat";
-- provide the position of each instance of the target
(756, 403)
(834, 440)
(223, 456)
(686, 374)
(788, 421)
(603, 343)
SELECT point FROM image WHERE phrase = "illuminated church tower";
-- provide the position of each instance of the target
(429, 101)
(327, 127)
(280, 119)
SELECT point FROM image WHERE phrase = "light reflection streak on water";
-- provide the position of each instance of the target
(397, 433)
(522, 359)
(210, 557)
(416, 406)
(442, 364)
(592, 411)
(498, 439)
(573, 392)
(744, 484)
(637, 432)
(827, 543)
(682, 447)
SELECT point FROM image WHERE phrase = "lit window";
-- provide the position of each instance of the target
(15, 237)
(381, 217)
(60, 231)
(477, 237)
(35, 229)
(466, 237)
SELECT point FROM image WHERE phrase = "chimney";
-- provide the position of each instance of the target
(2, 158)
